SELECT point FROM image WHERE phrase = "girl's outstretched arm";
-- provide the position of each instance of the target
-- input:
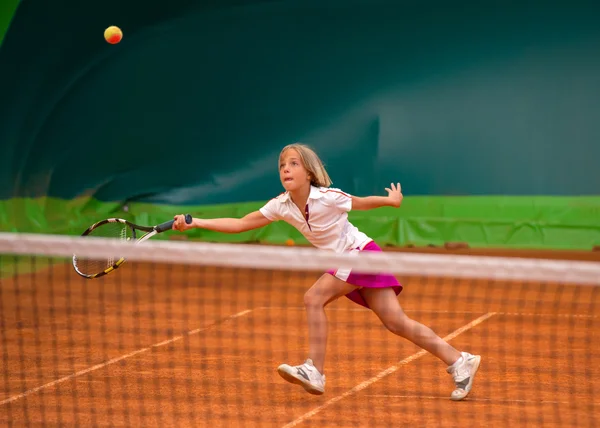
(254, 220)
(393, 199)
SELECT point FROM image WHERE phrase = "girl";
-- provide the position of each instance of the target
(320, 213)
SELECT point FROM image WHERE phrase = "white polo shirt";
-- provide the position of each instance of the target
(324, 222)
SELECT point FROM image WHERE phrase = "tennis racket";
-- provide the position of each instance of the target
(120, 229)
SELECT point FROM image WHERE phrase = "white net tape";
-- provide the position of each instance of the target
(305, 259)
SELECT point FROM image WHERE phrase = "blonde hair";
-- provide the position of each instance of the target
(311, 162)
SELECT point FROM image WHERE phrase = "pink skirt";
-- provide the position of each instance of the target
(367, 280)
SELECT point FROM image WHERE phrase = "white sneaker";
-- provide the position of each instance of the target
(463, 372)
(305, 375)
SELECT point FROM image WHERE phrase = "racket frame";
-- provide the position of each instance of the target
(150, 232)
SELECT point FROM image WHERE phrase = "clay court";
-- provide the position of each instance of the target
(173, 345)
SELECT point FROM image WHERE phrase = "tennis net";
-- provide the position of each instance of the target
(191, 334)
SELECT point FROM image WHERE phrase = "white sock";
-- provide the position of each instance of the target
(457, 362)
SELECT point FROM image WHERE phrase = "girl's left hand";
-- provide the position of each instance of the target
(395, 195)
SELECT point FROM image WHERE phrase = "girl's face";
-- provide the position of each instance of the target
(292, 173)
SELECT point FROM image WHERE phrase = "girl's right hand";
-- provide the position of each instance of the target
(180, 224)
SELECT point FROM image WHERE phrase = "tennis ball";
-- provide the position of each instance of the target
(113, 35)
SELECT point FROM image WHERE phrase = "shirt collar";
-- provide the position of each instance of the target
(315, 193)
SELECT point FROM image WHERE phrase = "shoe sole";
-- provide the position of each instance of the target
(293, 379)
(470, 385)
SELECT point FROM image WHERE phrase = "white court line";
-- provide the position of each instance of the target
(122, 357)
(427, 311)
(492, 400)
(386, 372)
(533, 314)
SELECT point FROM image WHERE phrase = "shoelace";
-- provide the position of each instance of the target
(462, 372)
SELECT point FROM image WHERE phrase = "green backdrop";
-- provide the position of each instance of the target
(487, 114)
(7, 10)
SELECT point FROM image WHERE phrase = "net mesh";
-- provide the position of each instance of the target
(191, 334)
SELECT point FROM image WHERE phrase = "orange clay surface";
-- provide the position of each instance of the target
(179, 346)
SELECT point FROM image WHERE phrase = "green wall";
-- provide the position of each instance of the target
(493, 100)
(196, 102)
(7, 10)
(482, 221)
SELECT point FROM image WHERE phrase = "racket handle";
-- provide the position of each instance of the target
(169, 224)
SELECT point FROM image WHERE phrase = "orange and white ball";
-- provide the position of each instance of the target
(113, 35)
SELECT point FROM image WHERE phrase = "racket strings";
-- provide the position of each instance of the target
(93, 266)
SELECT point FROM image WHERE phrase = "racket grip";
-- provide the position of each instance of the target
(169, 224)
